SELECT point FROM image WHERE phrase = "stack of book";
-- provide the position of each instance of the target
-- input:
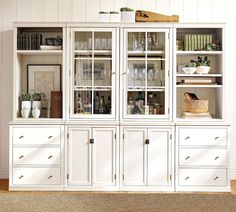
(29, 41)
(190, 115)
(196, 42)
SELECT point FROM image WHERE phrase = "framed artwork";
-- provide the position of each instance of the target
(44, 78)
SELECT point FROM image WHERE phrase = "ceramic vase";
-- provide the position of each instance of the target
(36, 104)
(25, 113)
(35, 113)
(128, 17)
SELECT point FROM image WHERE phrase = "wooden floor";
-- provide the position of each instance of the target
(4, 186)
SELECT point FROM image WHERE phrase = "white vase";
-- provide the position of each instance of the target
(203, 69)
(25, 112)
(128, 17)
(104, 17)
(26, 104)
(36, 104)
(35, 113)
(114, 17)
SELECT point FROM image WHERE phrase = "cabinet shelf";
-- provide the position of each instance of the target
(133, 88)
(198, 52)
(94, 58)
(199, 86)
(39, 52)
(199, 75)
(97, 52)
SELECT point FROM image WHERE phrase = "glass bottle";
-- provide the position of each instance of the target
(102, 105)
(151, 103)
(96, 103)
(108, 106)
(79, 105)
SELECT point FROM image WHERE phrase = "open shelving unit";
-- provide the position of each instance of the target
(214, 91)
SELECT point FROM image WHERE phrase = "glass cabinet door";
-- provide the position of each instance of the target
(146, 81)
(93, 75)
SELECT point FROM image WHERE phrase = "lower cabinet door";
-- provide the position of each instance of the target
(134, 158)
(159, 157)
(79, 156)
(36, 176)
(104, 157)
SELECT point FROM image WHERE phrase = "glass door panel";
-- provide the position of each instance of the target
(83, 73)
(146, 76)
(102, 102)
(83, 41)
(82, 102)
(102, 40)
(102, 73)
(156, 74)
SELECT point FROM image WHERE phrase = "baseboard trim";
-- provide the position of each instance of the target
(4, 174)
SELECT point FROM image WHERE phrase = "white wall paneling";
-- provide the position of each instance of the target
(219, 10)
(92, 9)
(51, 10)
(137, 4)
(106, 5)
(37, 10)
(79, 10)
(204, 14)
(23, 10)
(177, 8)
(163, 6)
(65, 10)
(190, 11)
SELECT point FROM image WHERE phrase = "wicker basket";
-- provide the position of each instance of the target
(195, 106)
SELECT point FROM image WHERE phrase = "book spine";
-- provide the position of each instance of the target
(205, 41)
(202, 44)
(195, 42)
(208, 39)
(185, 42)
(198, 42)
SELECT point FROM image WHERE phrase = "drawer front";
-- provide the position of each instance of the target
(44, 156)
(36, 176)
(205, 157)
(203, 177)
(200, 136)
(34, 135)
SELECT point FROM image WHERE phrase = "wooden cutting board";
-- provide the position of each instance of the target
(147, 16)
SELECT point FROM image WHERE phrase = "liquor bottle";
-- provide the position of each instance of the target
(96, 103)
(79, 105)
(151, 103)
(108, 106)
(102, 105)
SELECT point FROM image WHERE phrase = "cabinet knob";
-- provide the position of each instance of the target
(186, 178)
(21, 156)
(113, 72)
(217, 157)
(188, 137)
(187, 158)
(21, 176)
(50, 177)
(50, 157)
(21, 137)
(147, 141)
(91, 141)
(216, 178)
(217, 137)
(49, 136)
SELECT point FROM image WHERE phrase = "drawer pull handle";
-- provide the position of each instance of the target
(50, 157)
(216, 178)
(217, 157)
(147, 141)
(21, 176)
(21, 137)
(21, 156)
(188, 137)
(49, 137)
(217, 137)
(186, 178)
(187, 158)
(91, 141)
(50, 177)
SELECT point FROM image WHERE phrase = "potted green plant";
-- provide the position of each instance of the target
(190, 67)
(114, 16)
(127, 15)
(36, 100)
(203, 65)
(25, 104)
(104, 16)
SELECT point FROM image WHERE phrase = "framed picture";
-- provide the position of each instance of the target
(44, 78)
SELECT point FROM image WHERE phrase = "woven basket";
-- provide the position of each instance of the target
(196, 106)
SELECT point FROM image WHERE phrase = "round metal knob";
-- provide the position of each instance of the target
(216, 178)
(21, 176)
(50, 177)
(188, 137)
(217, 157)
(21, 156)
(187, 158)
(50, 157)
(186, 178)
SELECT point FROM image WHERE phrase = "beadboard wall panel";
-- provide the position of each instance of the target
(86, 10)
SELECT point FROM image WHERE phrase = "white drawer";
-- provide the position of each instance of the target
(202, 177)
(36, 176)
(36, 135)
(44, 156)
(200, 136)
(204, 157)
